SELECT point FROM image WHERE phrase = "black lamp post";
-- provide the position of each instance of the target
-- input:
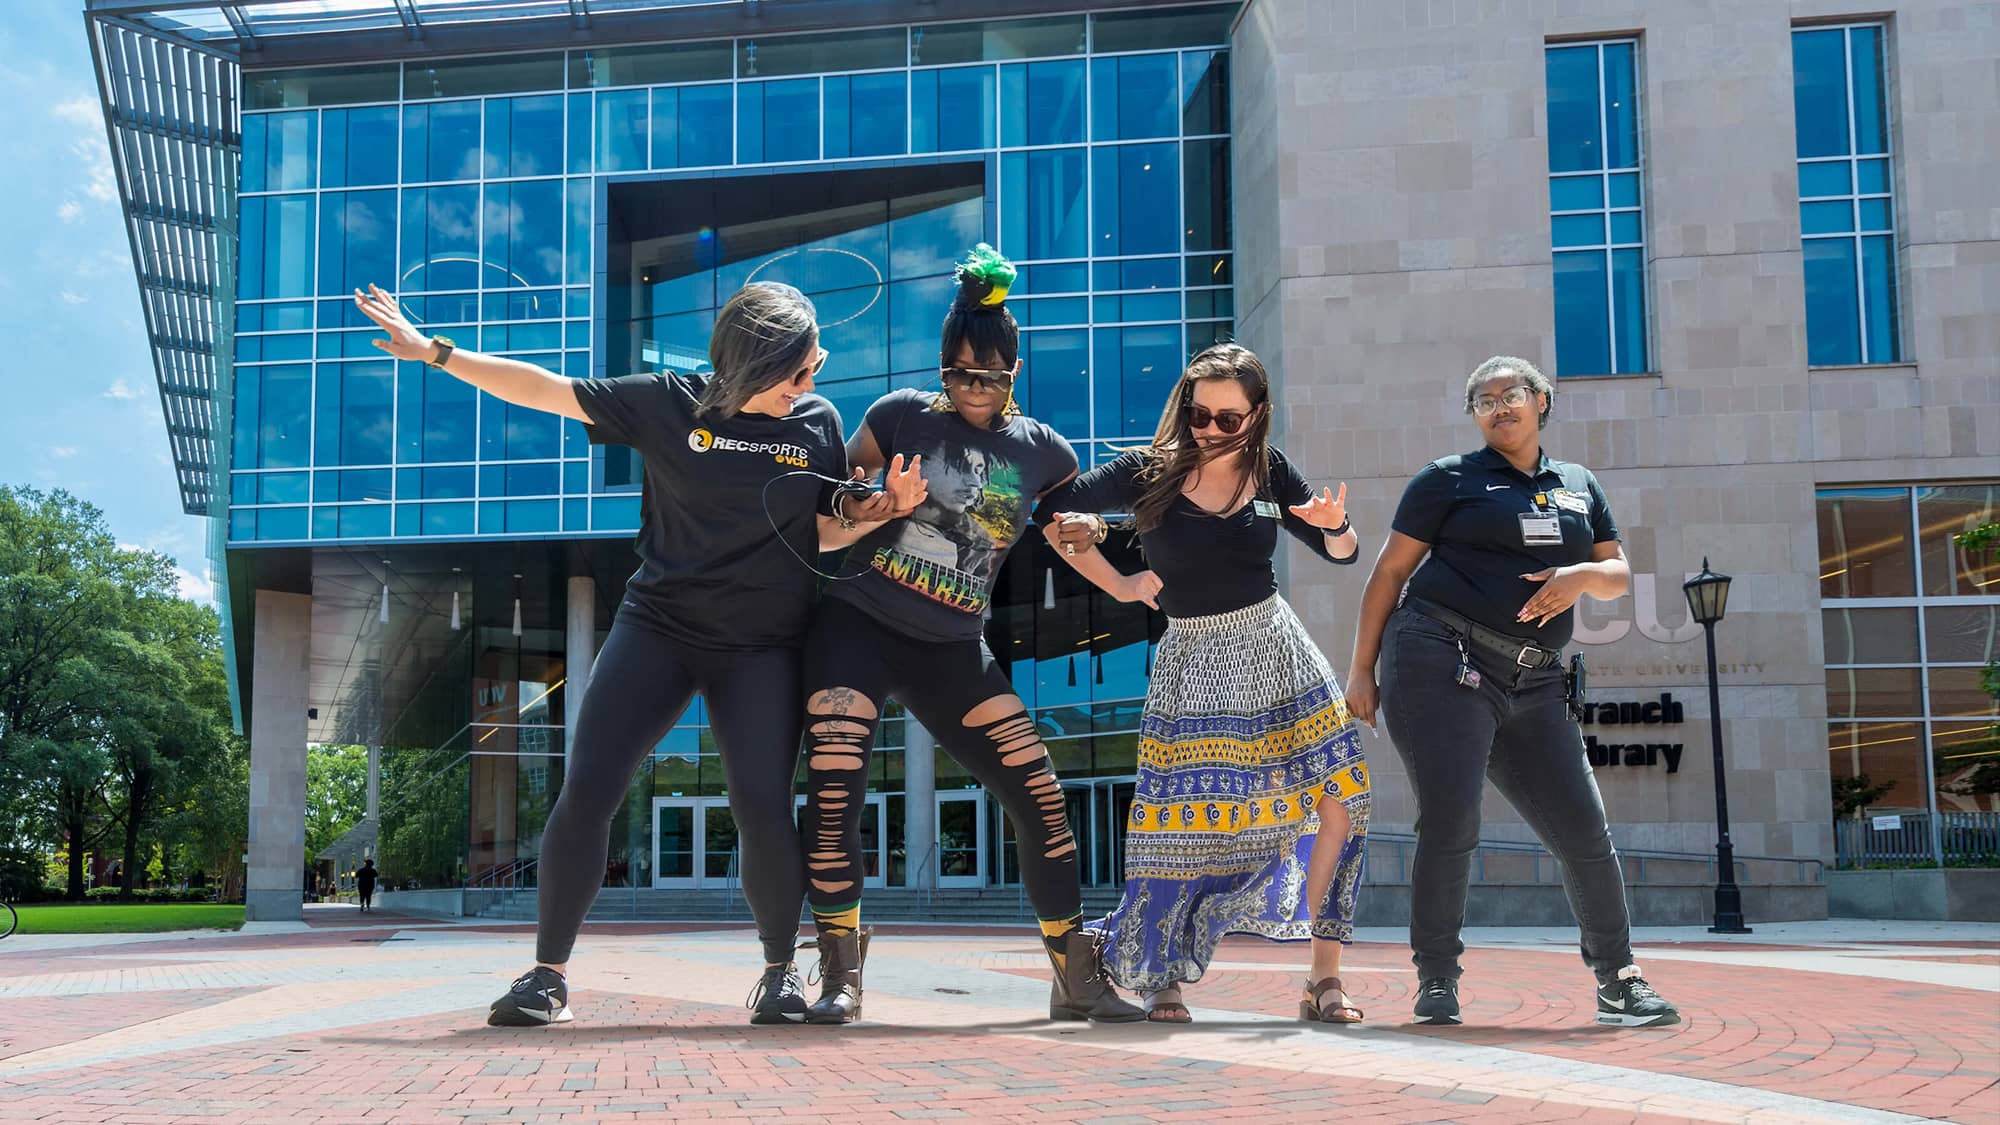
(1708, 596)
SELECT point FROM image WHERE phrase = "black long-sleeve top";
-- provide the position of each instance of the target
(1206, 563)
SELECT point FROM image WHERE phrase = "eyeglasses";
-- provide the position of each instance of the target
(1513, 398)
(799, 378)
(974, 376)
(1228, 421)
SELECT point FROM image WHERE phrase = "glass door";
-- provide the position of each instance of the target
(676, 841)
(719, 862)
(961, 824)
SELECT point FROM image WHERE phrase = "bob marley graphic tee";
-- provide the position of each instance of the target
(931, 574)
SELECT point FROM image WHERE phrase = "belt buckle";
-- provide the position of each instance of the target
(1523, 660)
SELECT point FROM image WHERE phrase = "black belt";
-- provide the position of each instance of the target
(1525, 654)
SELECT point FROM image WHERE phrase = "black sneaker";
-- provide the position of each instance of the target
(1631, 1002)
(1437, 1002)
(538, 998)
(780, 997)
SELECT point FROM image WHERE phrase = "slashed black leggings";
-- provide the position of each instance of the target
(960, 694)
(639, 686)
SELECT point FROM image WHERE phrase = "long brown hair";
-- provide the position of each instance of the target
(1175, 454)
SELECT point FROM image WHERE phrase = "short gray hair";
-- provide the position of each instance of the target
(762, 337)
(1530, 374)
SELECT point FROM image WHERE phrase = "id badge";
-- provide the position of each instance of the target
(1540, 529)
(1265, 508)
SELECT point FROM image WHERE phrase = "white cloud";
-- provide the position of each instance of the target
(63, 451)
(102, 183)
(71, 297)
(195, 587)
(70, 211)
(121, 389)
(80, 110)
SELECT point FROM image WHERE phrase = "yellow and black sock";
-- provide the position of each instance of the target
(1055, 937)
(837, 921)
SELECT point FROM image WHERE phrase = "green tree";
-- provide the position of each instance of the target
(1983, 778)
(336, 793)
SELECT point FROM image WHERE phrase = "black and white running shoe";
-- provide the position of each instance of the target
(780, 997)
(1630, 1002)
(539, 997)
(1437, 1002)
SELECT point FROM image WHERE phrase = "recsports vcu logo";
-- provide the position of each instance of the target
(783, 452)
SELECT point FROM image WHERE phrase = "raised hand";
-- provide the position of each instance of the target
(1561, 586)
(1325, 511)
(404, 341)
(903, 489)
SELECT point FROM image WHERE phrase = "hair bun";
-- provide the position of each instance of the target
(983, 279)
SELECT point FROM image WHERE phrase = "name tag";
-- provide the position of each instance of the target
(1538, 530)
(1571, 501)
(1266, 508)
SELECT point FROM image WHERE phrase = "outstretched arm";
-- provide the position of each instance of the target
(508, 380)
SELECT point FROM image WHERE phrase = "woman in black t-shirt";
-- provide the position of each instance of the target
(1490, 550)
(911, 625)
(740, 472)
(1251, 810)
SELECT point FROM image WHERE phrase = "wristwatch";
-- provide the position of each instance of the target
(445, 346)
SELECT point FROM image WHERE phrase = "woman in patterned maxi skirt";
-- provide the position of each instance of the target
(1251, 810)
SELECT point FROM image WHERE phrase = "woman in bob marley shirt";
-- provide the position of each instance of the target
(911, 627)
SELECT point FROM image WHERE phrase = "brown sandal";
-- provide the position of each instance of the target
(1166, 1011)
(1316, 1010)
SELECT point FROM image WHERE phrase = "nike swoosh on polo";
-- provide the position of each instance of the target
(1493, 487)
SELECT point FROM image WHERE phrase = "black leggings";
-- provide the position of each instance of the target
(961, 695)
(639, 686)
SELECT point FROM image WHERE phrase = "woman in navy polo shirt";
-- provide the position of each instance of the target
(1496, 546)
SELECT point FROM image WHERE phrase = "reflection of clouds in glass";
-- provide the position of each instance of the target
(359, 219)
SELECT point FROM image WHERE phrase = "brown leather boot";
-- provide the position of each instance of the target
(1081, 991)
(840, 959)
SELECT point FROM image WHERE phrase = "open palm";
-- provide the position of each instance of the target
(404, 341)
(1325, 511)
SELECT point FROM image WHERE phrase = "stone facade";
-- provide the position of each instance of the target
(1393, 230)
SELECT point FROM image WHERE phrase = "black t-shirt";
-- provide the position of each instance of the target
(1206, 563)
(711, 572)
(1488, 523)
(930, 575)
(365, 877)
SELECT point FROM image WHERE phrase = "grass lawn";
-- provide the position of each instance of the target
(127, 918)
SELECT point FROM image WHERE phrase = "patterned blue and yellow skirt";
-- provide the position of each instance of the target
(1245, 737)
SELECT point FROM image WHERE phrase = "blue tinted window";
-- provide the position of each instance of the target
(1042, 204)
(1628, 300)
(441, 142)
(436, 413)
(280, 151)
(359, 147)
(691, 127)
(1137, 205)
(1826, 218)
(1583, 314)
(357, 240)
(1578, 230)
(1871, 134)
(1575, 140)
(1204, 92)
(524, 230)
(1829, 177)
(1055, 379)
(1042, 103)
(282, 488)
(865, 115)
(362, 521)
(1833, 307)
(524, 136)
(1576, 193)
(1878, 271)
(511, 432)
(580, 145)
(1819, 91)
(440, 238)
(277, 247)
(616, 513)
(1621, 107)
(577, 201)
(778, 121)
(621, 131)
(952, 110)
(1205, 171)
(355, 413)
(274, 524)
(273, 417)
(447, 519)
(533, 515)
(1133, 97)
(1134, 369)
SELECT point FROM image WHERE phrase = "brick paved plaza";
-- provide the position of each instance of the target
(354, 1019)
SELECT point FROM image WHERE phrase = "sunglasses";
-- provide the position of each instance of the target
(973, 376)
(799, 378)
(1228, 421)
(1512, 398)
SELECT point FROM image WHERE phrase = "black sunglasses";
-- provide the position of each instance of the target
(968, 376)
(1228, 421)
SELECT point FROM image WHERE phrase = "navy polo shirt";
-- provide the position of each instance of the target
(1486, 524)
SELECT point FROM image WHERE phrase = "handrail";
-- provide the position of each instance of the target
(917, 877)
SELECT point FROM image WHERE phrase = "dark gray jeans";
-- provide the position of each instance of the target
(1514, 729)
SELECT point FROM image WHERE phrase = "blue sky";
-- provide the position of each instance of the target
(83, 409)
